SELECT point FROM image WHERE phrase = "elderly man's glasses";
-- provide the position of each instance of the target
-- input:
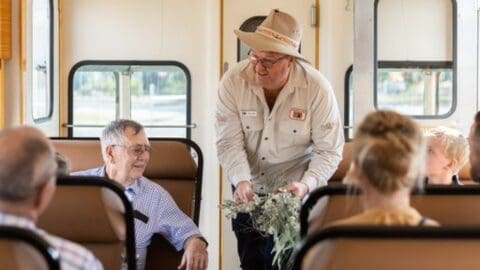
(266, 62)
(136, 149)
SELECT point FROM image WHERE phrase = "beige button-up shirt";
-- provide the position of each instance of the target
(301, 139)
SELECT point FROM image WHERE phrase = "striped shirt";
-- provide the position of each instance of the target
(164, 216)
(72, 256)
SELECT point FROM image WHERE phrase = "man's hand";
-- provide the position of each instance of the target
(243, 191)
(298, 189)
(195, 256)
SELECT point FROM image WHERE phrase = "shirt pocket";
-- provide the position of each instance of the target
(251, 124)
(293, 132)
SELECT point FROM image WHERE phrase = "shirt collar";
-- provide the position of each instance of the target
(296, 79)
(133, 188)
(16, 220)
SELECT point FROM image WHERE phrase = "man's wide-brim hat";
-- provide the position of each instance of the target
(279, 32)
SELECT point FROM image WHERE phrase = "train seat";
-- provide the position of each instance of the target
(21, 249)
(393, 248)
(95, 213)
(449, 205)
(344, 165)
(176, 164)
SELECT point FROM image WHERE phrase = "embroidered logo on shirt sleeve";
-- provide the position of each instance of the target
(330, 125)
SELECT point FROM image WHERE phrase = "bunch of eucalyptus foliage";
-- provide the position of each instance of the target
(275, 214)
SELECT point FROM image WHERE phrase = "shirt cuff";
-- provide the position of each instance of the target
(240, 174)
(312, 182)
(199, 237)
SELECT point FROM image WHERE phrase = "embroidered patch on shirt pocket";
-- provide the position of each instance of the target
(294, 132)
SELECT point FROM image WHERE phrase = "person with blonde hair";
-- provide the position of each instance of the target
(447, 152)
(389, 153)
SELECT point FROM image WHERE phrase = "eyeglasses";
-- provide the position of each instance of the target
(266, 63)
(136, 149)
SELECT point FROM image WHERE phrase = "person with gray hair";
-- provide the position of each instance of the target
(63, 165)
(277, 118)
(27, 184)
(126, 152)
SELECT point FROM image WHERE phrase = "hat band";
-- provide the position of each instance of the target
(275, 35)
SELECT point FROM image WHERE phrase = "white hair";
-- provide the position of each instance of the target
(114, 132)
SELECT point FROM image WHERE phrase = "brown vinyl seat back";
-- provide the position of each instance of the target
(175, 164)
(95, 213)
(400, 248)
(171, 165)
(344, 165)
(21, 249)
(449, 205)
(464, 174)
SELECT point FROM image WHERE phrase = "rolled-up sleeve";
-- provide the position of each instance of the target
(327, 137)
(230, 137)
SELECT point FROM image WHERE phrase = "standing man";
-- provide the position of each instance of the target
(27, 184)
(126, 152)
(276, 117)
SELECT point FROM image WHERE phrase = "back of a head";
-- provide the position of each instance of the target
(63, 165)
(27, 161)
(389, 150)
(453, 143)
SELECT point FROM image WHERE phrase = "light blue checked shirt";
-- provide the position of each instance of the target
(164, 215)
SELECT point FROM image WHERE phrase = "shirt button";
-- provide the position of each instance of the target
(263, 158)
(269, 119)
(248, 127)
(262, 174)
(294, 131)
(266, 138)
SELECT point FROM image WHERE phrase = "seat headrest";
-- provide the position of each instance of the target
(169, 159)
(85, 214)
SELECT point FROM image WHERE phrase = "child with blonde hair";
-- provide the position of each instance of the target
(447, 152)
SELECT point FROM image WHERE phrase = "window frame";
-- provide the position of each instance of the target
(418, 64)
(50, 69)
(183, 67)
(243, 27)
(346, 119)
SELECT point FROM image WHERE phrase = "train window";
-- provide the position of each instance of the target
(415, 56)
(349, 104)
(422, 90)
(250, 25)
(42, 60)
(156, 94)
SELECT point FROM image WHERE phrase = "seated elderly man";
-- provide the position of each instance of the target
(126, 151)
(27, 183)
